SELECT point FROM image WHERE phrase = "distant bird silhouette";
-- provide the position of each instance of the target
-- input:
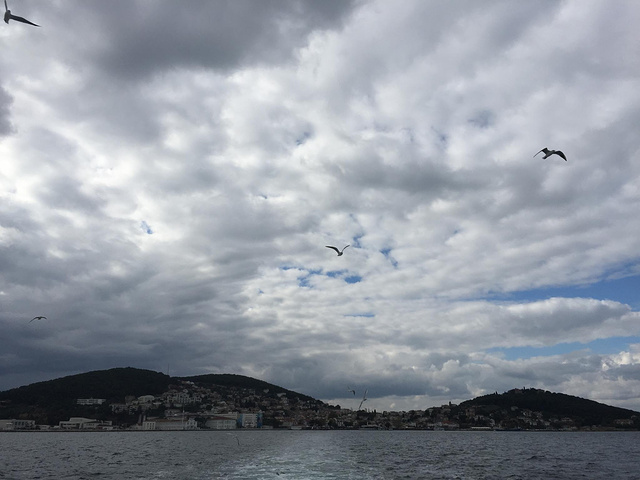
(352, 391)
(40, 317)
(548, 153)
(9, 16)
(339, 252)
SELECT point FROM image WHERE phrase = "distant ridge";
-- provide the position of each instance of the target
(51, 401)
(588, 412)
(116, 383)
(112, 384)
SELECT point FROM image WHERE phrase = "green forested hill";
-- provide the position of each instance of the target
(54, 400)
(112, 385)
(587, 412)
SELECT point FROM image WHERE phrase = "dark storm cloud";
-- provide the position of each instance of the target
(142, 38)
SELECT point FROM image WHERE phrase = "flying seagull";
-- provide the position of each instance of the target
(352, 391)
(39, 317)
(9, 16)
(339, 252)
(548, 153)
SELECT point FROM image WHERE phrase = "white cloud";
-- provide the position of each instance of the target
(246, 139)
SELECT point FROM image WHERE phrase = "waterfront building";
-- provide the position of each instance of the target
(81, 423)
(168, 424)
(250, 420)
(90, 401)
(149, 425)
(17, 424)
(223, 421)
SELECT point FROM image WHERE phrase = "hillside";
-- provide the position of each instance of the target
(112, 385)
(117, 383)
(227, 380)
(54, 400)
(581, 410)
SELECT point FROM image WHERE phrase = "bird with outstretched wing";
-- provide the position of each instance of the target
(10, 16)
(339, 252)
(548, 153)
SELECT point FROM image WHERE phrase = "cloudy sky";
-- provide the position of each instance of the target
(170, 173)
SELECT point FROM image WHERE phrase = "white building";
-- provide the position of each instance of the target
(180, 398)
(250, 420)
(81, 423)
(90, 401)
(16, 424)
(223, 421)
(6, 425)
(149, 425)
(119, 407)
(24, 424)
(167, 424)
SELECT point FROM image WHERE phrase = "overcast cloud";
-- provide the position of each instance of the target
(171, 173)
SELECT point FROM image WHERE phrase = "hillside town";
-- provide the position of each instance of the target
(188, 406)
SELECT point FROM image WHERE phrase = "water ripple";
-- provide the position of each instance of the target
(300, 455)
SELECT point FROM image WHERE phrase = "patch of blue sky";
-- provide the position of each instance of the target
(336, 273)
(353, 279)
(624, 290)
(603, 346)
(303, 280)
(146, 228)
(340, 274)
(365, 315)
(387, 254)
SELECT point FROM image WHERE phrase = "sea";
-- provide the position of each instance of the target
(309, 454)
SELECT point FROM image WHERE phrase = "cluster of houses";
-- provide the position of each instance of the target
(184, 407)
(191, 407)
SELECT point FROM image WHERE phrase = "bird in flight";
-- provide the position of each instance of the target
(548, 153)
(352, 391)
(339, 252)
(9, 16)
(39, 317)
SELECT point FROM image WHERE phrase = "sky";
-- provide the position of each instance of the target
(171, 173)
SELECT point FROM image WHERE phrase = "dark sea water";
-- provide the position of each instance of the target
(359, 455)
